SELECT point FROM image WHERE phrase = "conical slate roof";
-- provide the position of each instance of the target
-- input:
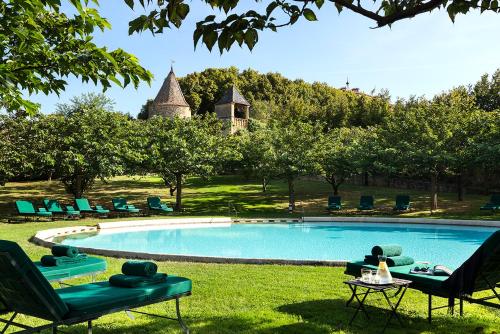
(170, 92)
(232, 95)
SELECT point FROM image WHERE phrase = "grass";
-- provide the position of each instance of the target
(257, 298)
(213, 197)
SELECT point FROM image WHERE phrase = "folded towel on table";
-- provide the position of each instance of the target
(64, 250)
(129, 281)
(139, 268)
(387, 250)
(393, 261)
(52, 261)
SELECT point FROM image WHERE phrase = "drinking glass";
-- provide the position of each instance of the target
(375, 279)
(365, 275)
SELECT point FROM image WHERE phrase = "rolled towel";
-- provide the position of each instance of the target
(387, 250)
(64, 250)
(139, 268)
(128, 281)
(52, 261)
(393, 261)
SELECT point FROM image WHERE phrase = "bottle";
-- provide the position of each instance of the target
(383, 271)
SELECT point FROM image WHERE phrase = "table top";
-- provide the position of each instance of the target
(397, 282)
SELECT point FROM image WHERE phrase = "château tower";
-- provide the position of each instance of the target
(170, 101)
(234, 109)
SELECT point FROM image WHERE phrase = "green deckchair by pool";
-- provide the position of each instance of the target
(155, 204)
(53, 206)
(83, 205)
(120, 205)
(27, 209)
(334, 203)
(24, 291)
(366, 203)
(493, 204)
(481, 272)
(402, 203)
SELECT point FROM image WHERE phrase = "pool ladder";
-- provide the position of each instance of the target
(232, 209)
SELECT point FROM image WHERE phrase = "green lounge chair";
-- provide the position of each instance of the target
(366, 203)
(24, 291)
(402, 203)
(120, 205)
(83, 205)
(53, 206)
(334, 203)
(481, 272)
(155, 204)
(493, 204)
(27, 209)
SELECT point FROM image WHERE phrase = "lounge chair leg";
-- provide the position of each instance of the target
(461, 307)
(429, 317)
(185, 329)
(89, 327)
(54, 330)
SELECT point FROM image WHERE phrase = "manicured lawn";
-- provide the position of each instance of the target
(213, 197)
(252, 298)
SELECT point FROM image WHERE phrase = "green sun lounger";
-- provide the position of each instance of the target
(90, 267)
(402, 203)
(25, 291)
(120, 205)
(366, 203)
(83, 205)
(334, 203)
(53, 206)
(481, 272)
(493, 204)
(27, 209)
(155, 204)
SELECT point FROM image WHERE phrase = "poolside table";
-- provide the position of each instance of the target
(399, 285)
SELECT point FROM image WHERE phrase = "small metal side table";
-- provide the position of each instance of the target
(400, 285)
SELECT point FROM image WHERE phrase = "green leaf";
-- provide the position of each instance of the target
(251, 38)
(309, 15)
(209, 38)
(130, 3)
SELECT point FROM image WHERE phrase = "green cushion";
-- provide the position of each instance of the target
(23, 288)
(119, 203)
(25, 208)
(53, 206)
(101, 297)
(83, 205)
(425, 283)
(89, 266)
(154, 202)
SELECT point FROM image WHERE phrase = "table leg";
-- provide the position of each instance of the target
(394, 308)
(361, 304)
(352, 296)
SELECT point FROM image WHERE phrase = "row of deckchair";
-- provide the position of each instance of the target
(52, 208)
(25, 291)
(367, 202)
(493, 204)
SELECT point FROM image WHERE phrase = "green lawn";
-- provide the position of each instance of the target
(251, 298)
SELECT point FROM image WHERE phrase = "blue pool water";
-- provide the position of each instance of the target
(449, 245)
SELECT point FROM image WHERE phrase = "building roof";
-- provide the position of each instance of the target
(170, 92)
(232, 95)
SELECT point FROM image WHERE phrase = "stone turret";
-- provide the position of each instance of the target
(234, 109)
(170, 101)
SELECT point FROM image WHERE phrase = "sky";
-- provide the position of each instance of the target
(421, 56)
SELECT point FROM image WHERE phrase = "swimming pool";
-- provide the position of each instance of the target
(445, 244)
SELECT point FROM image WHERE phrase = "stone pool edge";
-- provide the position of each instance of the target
(45, 238)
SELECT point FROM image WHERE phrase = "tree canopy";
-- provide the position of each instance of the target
(242, 25)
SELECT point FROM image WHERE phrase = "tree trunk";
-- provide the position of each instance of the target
(291, 194)
(365, 177)
(335, 187)
(50, 175)
(434, 192)
(265, 181)
(460, 187)
(178, 199)
(78, 187)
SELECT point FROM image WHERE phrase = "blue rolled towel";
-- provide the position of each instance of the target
(387, 250)
(139, 268)
(53, 261)
(64, 250)
(128, 281)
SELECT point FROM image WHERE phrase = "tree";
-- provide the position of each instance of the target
(293, 145)
(13, 156)
(181, 147)
(418, 140)
(487, 93)
(144, 112)
(244, 27)
(41, 45)
(92, 142)
(337, 154)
